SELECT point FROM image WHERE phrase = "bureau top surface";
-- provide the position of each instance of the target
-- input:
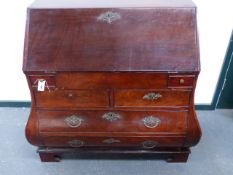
(110, 3)
(112, 39)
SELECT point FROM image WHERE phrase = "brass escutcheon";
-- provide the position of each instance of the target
(152, 96)
(111, 140)
(109, 17)
(149, 144)
(76, 143)
(111, 116)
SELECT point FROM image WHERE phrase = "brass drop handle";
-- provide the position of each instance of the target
(76, 143)
(73, 121)
(151, 121)
(181, 81)
(152, 96)
(149, 144)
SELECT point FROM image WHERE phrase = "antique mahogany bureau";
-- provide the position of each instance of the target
(112, 76)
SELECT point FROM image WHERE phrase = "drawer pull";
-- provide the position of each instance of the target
(149, 144)
(73, 121)
(181, 81)
(110, 141)
(152, 96)
(111, 116)
(70, 95)
(109, 17)
(151, 121)
(76, 143)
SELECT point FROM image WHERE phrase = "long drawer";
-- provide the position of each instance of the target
(134, 142)
(173, 122)
(111, 80)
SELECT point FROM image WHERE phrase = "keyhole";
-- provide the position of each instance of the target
(70, 95)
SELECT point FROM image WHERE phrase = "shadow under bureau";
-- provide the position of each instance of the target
(112, 79)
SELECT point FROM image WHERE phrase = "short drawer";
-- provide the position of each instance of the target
(134, 142)
(72, 98)
(181, 81)
(154, 122)
(111, 80)
(151, 98)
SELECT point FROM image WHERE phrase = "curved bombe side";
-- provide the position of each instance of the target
(194, 131)
(31, 130)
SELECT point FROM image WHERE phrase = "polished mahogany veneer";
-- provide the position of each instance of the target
(116, 78)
